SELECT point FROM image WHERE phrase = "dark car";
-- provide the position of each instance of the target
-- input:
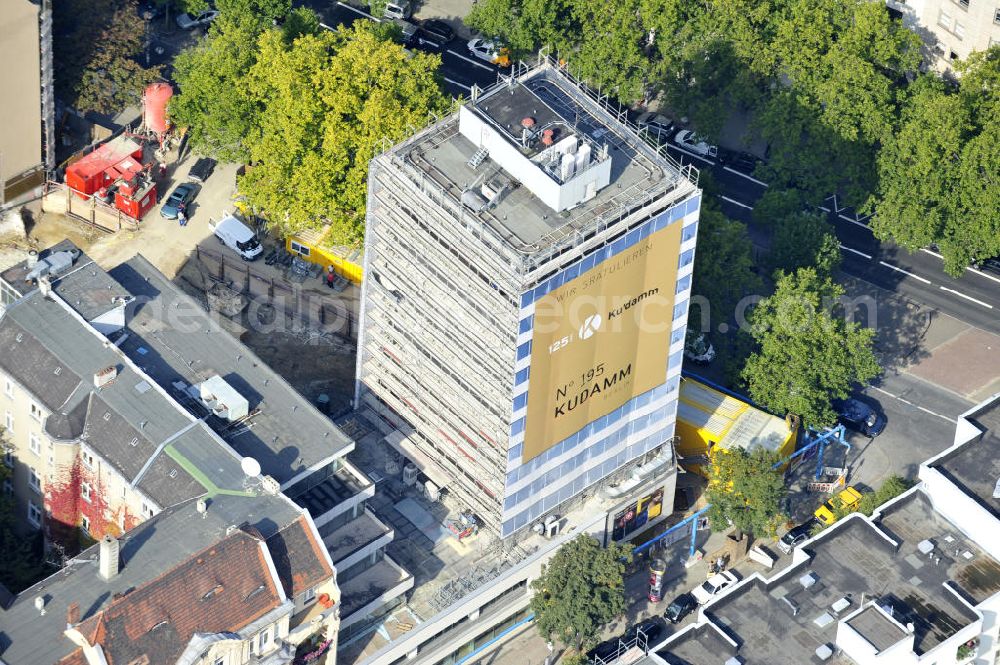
(605, 651)
(796, 536)
(680, 607)
(650, 631)
(744, 162)
(182, 195)
(991, 264)
(860, 417)
(202, 169)
(433, 32)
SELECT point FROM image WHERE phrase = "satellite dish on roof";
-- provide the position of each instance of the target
(250, 466)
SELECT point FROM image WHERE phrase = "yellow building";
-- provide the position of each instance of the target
(312, 246)
(709, 420)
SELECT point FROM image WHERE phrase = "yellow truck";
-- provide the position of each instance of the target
(846, 501)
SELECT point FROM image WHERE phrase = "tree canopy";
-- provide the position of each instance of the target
(806, 353)
(939, 174)
(581, 589)
(98, 48)
(307, 109)
(745, 491)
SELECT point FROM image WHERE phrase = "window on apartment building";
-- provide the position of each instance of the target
(85, 525)
(221, 660)
(34, 480)
(88, 459)
(959, 30)
(309, 596)
(945, 20)
(8, 388)
(85, 491)
(996, 17)
(36, 411)
(8, 458)
(35, 443)
(8, 422)
(262, 641)
(34, 514)
(964, 4)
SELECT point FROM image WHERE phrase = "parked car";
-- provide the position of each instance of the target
(713, 586)
(796, 536)
(490, 51)
(659, 127)
(433, 32)
(605, 651)
(691, 141)
(697, 348)
(397, 9)
(744, 162)
(860, 417)
(202, 169)
(182, 195)
(680, 607)
(189, 22)
(407, 31)
(650, 630)
(236, 235)
(992, 264)
(848, 500)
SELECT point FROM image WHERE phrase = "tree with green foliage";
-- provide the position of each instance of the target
(807, 354)
(939, 174)
(99, 48)
(581, 589)
(215, 103)
(891, 487)
(801, 240)
(327, 102)
(723, 269)
(745, 491)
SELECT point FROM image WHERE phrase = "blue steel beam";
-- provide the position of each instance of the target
(691, 519)
(821, 441)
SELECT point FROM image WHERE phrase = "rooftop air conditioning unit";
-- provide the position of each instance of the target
(410, 473)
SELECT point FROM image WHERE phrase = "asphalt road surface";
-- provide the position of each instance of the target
(458, 68)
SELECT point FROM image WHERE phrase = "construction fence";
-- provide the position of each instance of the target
(314, 310)
(60, 199)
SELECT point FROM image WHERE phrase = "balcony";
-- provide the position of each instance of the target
(336, 494)
(352, 542)
(369, 590)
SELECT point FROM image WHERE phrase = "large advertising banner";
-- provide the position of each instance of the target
(601, 339)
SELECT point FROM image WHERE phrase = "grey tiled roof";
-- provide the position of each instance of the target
(287, 436)
(36, 368)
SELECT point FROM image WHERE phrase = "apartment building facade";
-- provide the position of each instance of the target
(951, 29)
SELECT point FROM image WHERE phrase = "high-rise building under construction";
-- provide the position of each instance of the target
(527, 274)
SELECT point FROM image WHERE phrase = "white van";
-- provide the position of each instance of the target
(234, 234)
(397, 9)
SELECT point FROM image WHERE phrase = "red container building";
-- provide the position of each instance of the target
(104, 166)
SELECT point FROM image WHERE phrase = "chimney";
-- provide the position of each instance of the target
(105, 376)
(108, 564)
(73, 614)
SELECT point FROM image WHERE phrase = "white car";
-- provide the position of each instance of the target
(691, 141)
(489, 50)
(713, 586)
(188, 22)
(397, 9)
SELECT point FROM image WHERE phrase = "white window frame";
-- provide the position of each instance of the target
(299, 248)
(36, 411)
(32, 509)
(959, 30)
(8, 388)
(85, 492)
(85, 524)
(34, 443)
(87, 459)
(34, 480)
(945, 20)
(261, 641)
(8, 422)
